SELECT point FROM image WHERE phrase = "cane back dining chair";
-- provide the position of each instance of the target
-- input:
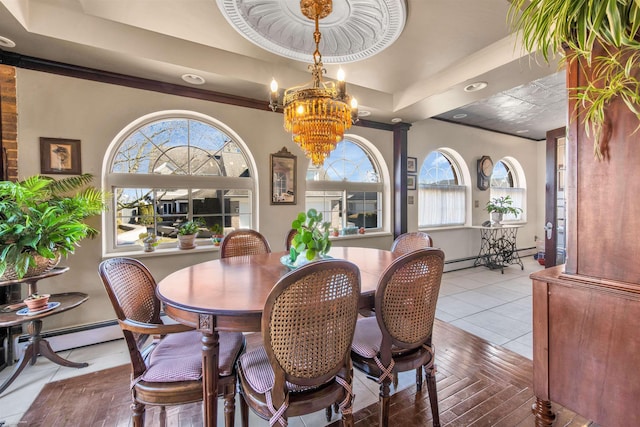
(408, 242)
(290, 235)
(168, 371)
(244, 242)
(399, 337)
(307, 327)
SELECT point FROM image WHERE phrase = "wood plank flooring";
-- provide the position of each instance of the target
(479, 384)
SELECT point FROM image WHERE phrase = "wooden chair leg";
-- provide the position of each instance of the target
(419, 379)
(229, 406)
(347, 420)
(433, 394)
(244, 412)
(383, 414)
(137, 410)
(163, 416)
(328, 412)
(395, 380)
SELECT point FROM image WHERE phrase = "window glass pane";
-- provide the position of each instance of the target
(441, 200)
(501, 176)
(348, 162)
(362, 209)
(328, 203)
(437, 169)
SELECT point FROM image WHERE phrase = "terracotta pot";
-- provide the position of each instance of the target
(187, 241)
(36, 304)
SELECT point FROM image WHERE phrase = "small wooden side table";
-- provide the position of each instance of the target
(39, 346)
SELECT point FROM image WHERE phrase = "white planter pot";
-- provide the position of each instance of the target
(496, 218)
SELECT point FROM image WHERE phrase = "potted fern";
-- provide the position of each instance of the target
(42, 220)
(187, 233)
(500, 206)
(311, 241)
(577, 29)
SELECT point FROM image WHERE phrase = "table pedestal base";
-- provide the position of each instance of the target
(38, 346)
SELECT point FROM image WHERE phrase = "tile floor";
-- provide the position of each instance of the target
(486, 303)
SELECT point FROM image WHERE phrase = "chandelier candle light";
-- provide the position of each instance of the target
(317, 114)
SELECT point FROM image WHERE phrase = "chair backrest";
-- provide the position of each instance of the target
(244, 242)
(290, 235)
(132, 291)
(406, 296)
(309, 321)
(409, 242)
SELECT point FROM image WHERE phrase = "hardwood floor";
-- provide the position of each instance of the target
(479, 384)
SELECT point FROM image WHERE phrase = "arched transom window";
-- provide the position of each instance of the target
(506, 181)
(441, 192)
(165, 171)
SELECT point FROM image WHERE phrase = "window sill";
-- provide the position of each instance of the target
(162, 252)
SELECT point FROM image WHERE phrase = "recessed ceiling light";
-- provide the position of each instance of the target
(364, 113)
(193, 79)
(474, 87)
(396, 120)
(459, 116)
(5, 42)
(522, 131)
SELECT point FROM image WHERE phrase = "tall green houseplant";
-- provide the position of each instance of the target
(575, 28)
(42, 216)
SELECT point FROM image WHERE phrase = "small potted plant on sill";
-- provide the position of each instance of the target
(499, 206)
(216, 234)
(149, 241)
(187, 233)
(36, 302)
(312, 239)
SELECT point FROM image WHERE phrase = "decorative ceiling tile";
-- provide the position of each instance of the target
(355, 30)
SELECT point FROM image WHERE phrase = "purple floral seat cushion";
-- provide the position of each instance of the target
(178, 357)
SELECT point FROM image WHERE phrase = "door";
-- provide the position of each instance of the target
(555, 203)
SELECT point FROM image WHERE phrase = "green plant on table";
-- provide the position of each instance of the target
(555, 26)
(312, 238)
(43, 216)
(502, 205)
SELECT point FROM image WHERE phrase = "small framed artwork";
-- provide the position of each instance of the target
(409, 200)
(412, 165)
(283, 178)
(411, 182)
(60, 156)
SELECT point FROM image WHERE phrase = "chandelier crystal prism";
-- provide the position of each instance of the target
(317, 113)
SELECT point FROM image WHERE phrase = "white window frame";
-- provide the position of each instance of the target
(518, 191)
(111, 181)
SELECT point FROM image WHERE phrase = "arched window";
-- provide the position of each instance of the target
(168, 168)
(507, 179)
(441, 191)
(347, 188)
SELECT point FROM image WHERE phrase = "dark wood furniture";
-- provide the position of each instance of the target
(155, 377)
(585, 326)
(290, 235)
(408, 242)
(39, 346)
(229, 294)
(498, 247)
(244, 242)
(399, 338)
(307, 327)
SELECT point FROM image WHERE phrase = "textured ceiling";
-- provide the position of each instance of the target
(525, 111)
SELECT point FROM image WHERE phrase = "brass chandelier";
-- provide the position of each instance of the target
(317, 113)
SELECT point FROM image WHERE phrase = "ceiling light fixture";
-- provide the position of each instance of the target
(193, 79)
(474, 87)
(317, 114)
(5, 42)
(396, 120)
(459, 116)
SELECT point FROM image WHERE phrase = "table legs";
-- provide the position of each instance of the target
(210, 356)
(37, 346)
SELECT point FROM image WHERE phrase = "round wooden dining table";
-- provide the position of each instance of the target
(229, 295)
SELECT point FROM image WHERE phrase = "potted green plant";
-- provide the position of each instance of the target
(500, 206)
(312, 239)
(42, 220)
(149, 241)
(573, 29)
(216, 234)
(187, 233)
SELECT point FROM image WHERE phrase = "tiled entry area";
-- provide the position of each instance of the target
(491, 305)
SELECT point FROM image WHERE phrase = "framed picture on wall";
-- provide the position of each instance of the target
(411, 182)
(60, 156)
(283, 178)
(412, 165)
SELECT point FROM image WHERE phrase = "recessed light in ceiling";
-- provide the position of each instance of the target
(5, 42)
(364, 113)
(193, 79)
(459, 116)
(396, 120)
(476, 86)
(522, 131)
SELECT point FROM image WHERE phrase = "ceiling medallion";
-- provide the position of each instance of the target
(356, 29)
(318, 113)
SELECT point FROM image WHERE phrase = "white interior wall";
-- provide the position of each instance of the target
(62, 107)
